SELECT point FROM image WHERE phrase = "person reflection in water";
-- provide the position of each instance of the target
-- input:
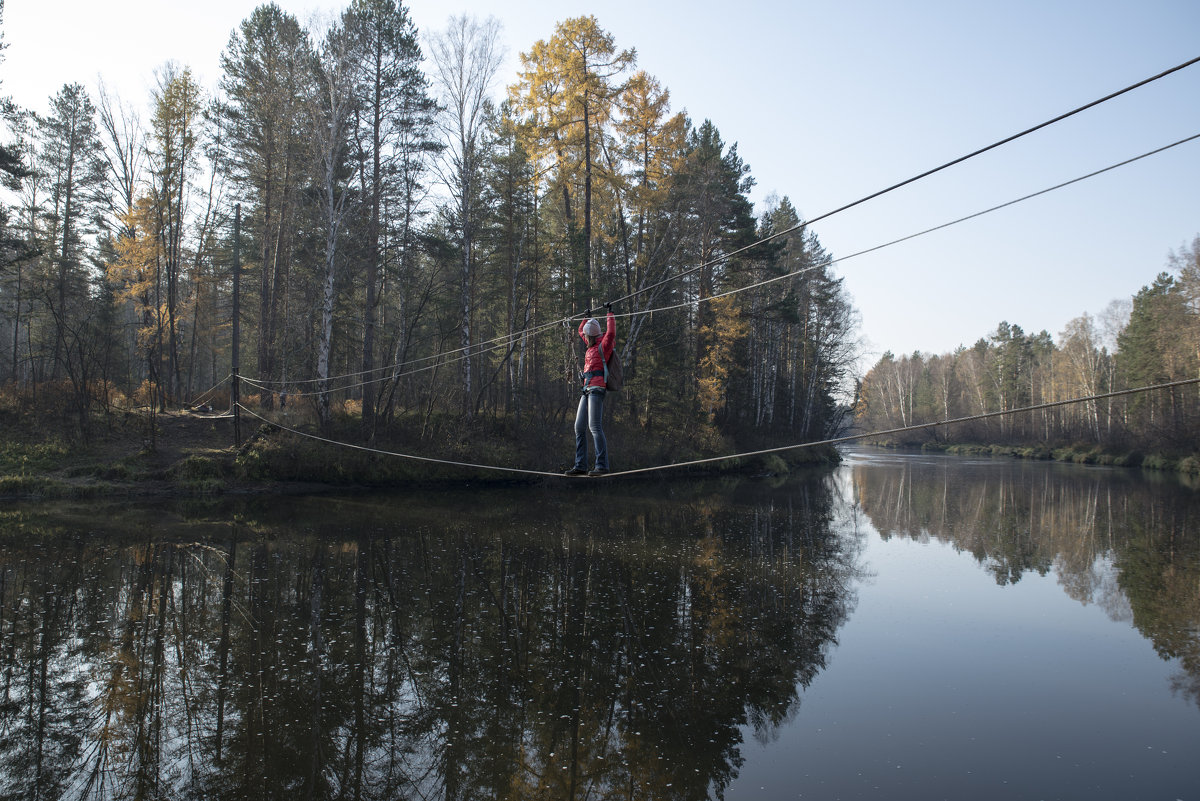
(590, 414)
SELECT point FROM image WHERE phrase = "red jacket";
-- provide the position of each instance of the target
(593, 360)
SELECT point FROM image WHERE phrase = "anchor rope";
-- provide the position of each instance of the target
(210, 390)
(381, 452)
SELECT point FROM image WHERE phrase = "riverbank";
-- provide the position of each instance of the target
(192, 453)
(1187, 465)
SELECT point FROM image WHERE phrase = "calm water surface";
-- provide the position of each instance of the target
(900, 627)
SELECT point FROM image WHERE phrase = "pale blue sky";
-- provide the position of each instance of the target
(829, 102)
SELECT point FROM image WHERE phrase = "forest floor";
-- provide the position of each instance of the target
(187, 453)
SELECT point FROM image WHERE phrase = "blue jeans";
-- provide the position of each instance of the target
(591, 410)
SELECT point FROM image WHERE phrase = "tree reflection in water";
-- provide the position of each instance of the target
(1113, 537)
(507, 646)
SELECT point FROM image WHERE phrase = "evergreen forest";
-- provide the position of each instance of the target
(403, 250)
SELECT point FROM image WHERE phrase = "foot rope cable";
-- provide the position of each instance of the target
(921, 426)
(380, 452)
(745, 454)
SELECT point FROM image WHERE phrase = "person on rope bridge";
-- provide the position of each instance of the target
(591, 402)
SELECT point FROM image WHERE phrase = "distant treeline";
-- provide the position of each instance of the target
(408, 248)
(1153, 339)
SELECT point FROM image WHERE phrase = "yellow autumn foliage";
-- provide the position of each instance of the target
(725, 329)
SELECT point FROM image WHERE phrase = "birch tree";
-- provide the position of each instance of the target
(123, 153)
(330, 118)
(466, 57)
(1078, 343)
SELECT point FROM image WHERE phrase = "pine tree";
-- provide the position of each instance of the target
(653, 145)
(1152, 351)
(267, 76)
(713, 183)
(69, 158)
(392, 142)
(510, 197)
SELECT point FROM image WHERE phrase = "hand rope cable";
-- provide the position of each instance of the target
(466, 351)
(535, 330)
(532, 330)
(926, 174)
(860, 201)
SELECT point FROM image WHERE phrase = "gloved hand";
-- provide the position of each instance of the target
(608, 306)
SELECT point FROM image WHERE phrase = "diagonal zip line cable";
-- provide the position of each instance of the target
(747, 454)
(200, 399)
(502, 341)
(1022, 199)
(872, 249)
(915, 178)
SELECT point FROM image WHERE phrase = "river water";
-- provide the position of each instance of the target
(900, 627)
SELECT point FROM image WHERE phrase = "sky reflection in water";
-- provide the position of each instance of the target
(993, 651)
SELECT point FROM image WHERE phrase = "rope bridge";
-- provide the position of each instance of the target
(395, 371)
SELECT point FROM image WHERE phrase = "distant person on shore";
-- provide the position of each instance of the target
(590, 415)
